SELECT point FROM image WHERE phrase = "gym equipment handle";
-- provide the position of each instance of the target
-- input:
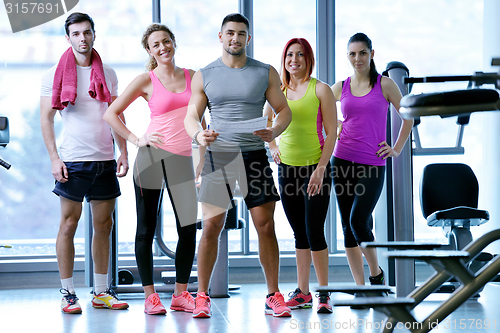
(4, 164)
(478, 77)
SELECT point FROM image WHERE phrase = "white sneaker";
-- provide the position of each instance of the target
(109, 300)
(69, 302)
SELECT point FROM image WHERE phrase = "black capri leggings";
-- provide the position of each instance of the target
(305, 214)
(179, 182)
(358, 188)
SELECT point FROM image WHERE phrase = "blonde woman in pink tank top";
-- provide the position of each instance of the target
(163, 162)
(358, 165)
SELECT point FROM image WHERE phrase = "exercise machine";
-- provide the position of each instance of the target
(447, 263)
(4, 138)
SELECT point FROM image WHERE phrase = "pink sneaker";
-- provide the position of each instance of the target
(183, 302)
(153, 305)
(202, 306)
(324, 303)
(276, 306)
(299, 300)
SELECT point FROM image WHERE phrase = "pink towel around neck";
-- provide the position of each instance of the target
(65, 81)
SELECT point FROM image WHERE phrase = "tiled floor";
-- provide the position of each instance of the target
(37, 310)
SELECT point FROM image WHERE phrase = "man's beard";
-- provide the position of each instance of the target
(235, 53)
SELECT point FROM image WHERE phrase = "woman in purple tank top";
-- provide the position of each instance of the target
(167, 88)
(361, 151)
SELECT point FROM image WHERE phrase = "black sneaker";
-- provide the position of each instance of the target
(379, 279)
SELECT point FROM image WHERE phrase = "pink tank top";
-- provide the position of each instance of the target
(168, 111)
(364, 126)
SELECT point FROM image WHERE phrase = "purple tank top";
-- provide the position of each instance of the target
(364, 126)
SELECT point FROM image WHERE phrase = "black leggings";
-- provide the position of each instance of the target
(305, 214)
(358, 188)
(148, 196)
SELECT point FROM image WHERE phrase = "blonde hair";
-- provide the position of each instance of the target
(152, 64)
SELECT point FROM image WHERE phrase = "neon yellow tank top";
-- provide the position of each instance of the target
(302, 141)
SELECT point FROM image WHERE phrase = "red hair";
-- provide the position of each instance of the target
(308, 54)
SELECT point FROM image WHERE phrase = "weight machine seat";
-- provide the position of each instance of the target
(449, 103)
(449, 196)
(458, 216)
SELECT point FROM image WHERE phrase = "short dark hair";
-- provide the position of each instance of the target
(77, 18)
(235, 17)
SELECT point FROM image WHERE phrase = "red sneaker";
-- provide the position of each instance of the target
(183, 302)
(276, 306)
(324, 303)
(299, 300)
(202, 306)
(153, 306)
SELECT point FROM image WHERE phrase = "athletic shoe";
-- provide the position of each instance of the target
(379, 279)
(108, 300)
(69, 302)
(324, 303)
(202, 306)
(183, 302)
(276, 306)
(153, 306)
(299, 300)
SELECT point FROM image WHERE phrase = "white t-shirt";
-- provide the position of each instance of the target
(86, 137)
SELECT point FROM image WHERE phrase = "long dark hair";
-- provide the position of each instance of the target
(362, 38)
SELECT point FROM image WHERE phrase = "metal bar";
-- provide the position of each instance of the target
(460, 136)
(156, 11)
(416, 138)
(402, 188)
(245, 7)
(325, 71)
(438, 151)
(484, 77)
(325, 40)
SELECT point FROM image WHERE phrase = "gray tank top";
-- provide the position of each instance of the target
(235, 94)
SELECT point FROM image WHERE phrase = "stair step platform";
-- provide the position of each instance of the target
(404, 245)
(427, 254)
(375, 302)
(377, 290)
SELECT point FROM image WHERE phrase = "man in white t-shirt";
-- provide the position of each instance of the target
(85, 165)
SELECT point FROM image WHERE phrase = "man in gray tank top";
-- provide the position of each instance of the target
(235, 88)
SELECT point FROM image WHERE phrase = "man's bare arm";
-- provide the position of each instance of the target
(122, 165)
(277, 100)
(47, 114)
(196, 108)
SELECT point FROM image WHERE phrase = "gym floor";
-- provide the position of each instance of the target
(32, 310)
